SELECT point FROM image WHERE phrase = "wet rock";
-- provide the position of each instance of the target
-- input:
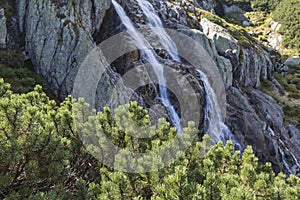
(268, 106)
(248, 125)
(222, 63)
(3, 29)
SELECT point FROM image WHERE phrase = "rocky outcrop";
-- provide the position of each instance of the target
(248, 65)
(257, 120)
(58, 36)
(3, 29)
(243, 65)
(248, 124)
(274, 37)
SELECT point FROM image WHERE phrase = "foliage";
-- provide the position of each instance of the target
(22, 80)
(234, 2)
(39, 146)
(287, 13)
(41, 157)
(264, 5)
(20, 74)
(290, 99)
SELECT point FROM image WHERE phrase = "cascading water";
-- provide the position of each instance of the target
(215, 126)
(217, 129)
(283, 154)
(213, 117)
(149, 55)
(155, 22)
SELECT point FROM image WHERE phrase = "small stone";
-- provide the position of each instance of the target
(247, 23)
(293, 61)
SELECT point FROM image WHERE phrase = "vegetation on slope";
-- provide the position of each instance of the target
(290, 98)
(41, 157)
(18, 74)
(287, 13)
(264, 5)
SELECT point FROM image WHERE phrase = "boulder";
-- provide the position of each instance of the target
(292, 61)
(232, 9)
(246, 23)
(274, 37)
(220, 36)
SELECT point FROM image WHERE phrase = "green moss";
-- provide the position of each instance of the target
(288, 85)
(233, 18)
(266, 85)
(290, 101)
(215, 19)
(22, 80)
(292, 113)
(61, 15)
(18, 73)
(11, 58)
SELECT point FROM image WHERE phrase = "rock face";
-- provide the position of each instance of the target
(57, 50)
(232, 9)
(3, 29)
(250, 115)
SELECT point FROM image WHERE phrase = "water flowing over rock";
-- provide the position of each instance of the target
(3, 29)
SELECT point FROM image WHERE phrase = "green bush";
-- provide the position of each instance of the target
(41, 157)
(264, 5)
(287, 13)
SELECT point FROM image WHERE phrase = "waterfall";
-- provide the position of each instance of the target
(155, 22)
(149, 55)
(283, 155)
(212, 112)
(285, 163)
(213, 116)
(228, 135)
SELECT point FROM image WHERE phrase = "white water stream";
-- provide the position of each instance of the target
(213, 116)
(149, 55)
